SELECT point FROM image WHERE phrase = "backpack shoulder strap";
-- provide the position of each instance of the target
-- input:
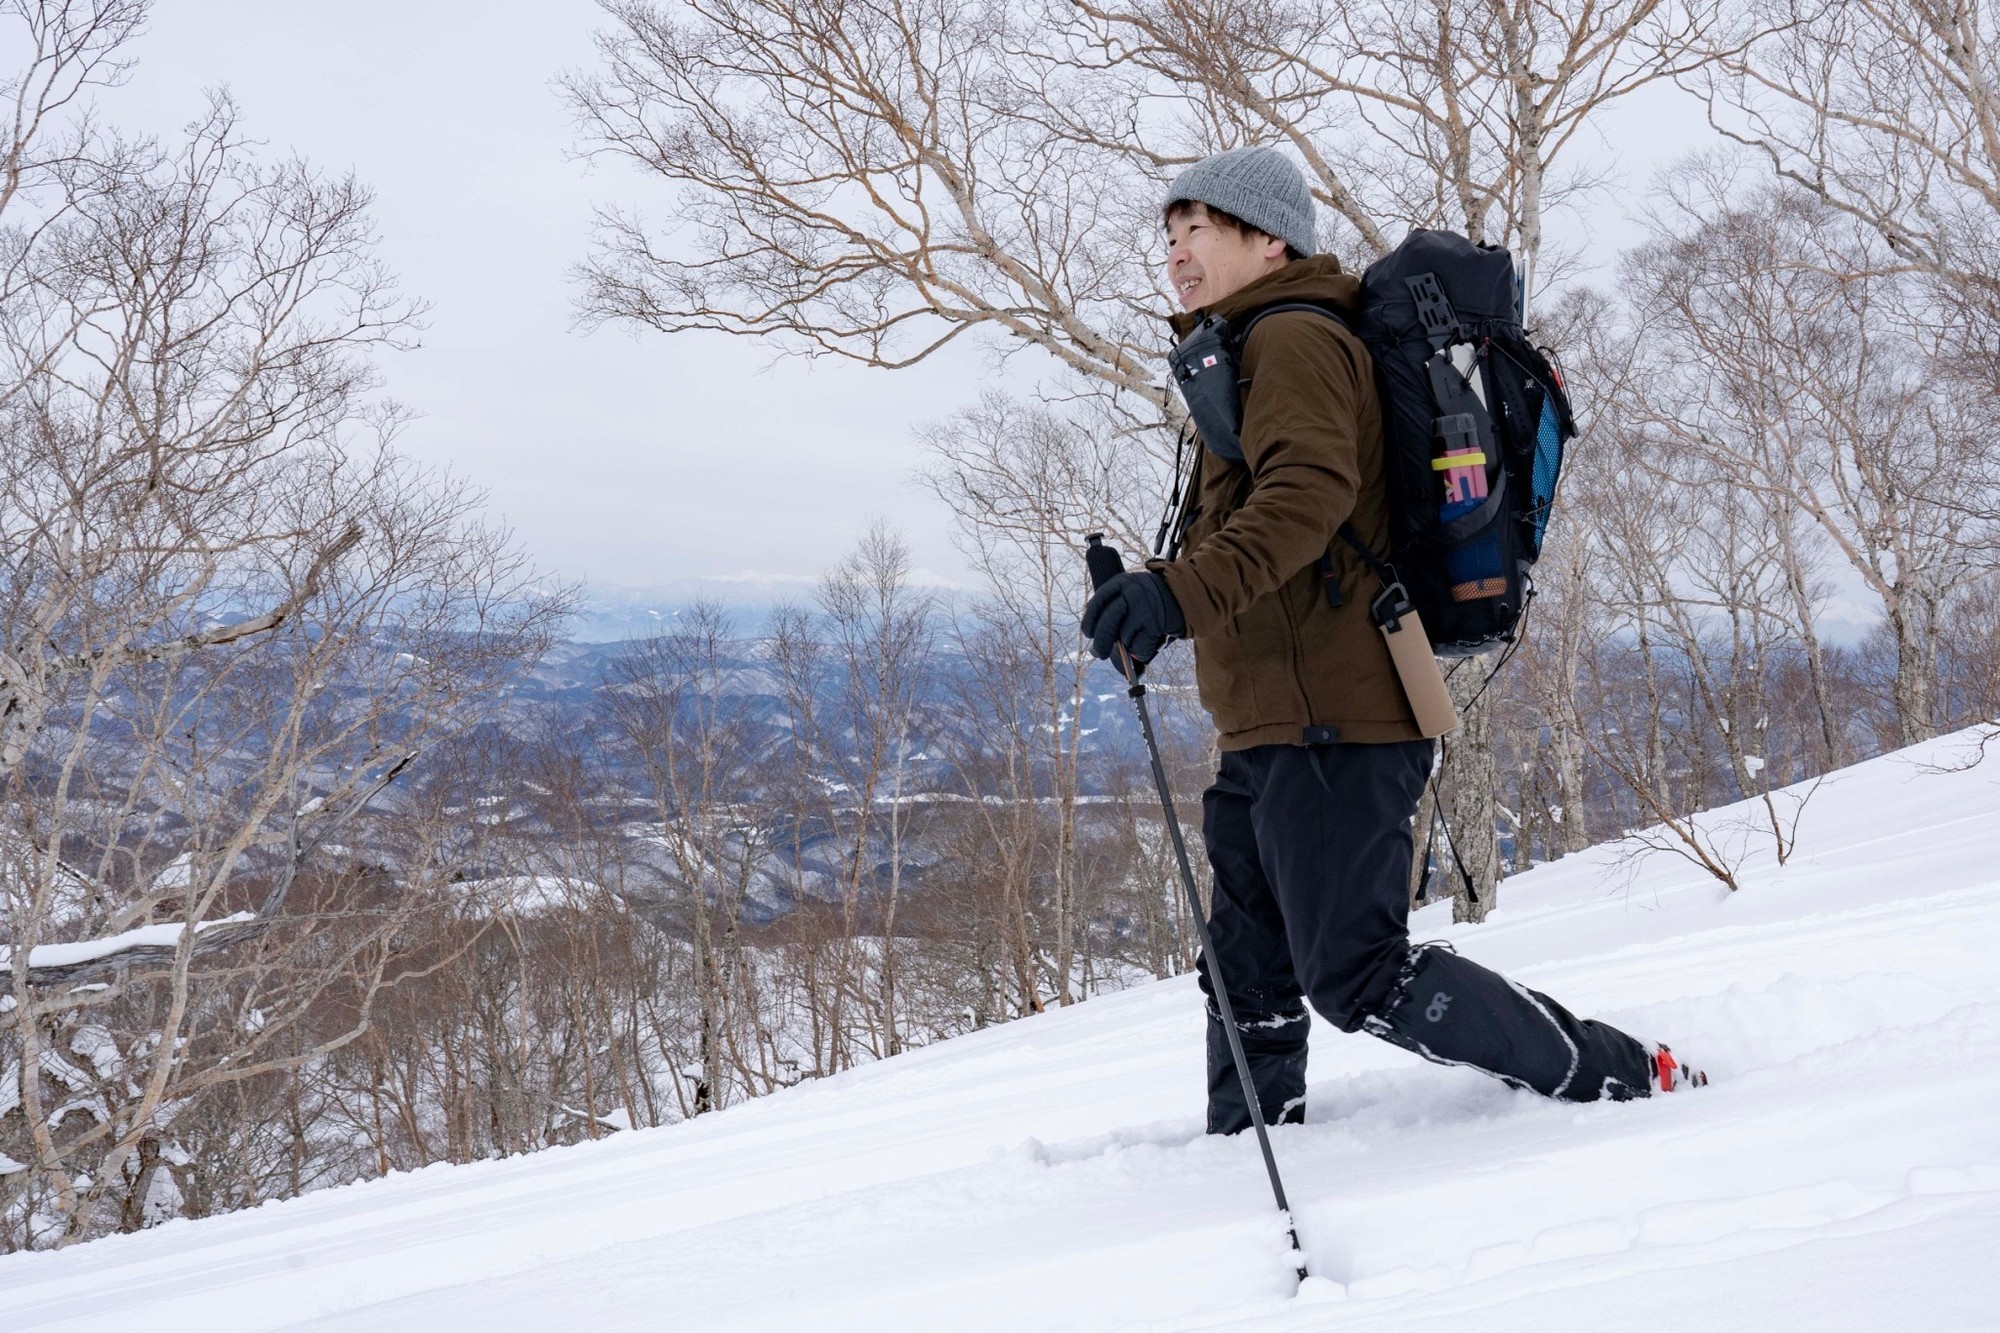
(1393, 602)
(1241, 337)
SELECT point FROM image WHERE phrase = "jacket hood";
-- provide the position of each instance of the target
(1317, 278)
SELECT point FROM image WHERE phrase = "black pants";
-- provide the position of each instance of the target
(1311, 849)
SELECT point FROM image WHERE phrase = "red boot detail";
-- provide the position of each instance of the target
(1671, 1075)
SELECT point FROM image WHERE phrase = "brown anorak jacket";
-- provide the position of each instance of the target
(1276, 664)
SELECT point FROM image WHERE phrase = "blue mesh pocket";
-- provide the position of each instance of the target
(1475, 548)
(1548, 465)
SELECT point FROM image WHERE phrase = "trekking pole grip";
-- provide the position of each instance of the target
(1105, 564)
(1102, 559)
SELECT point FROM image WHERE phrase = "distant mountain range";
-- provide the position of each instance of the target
(572, 674)
(611, 612)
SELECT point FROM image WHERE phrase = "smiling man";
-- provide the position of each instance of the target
(1307, 825)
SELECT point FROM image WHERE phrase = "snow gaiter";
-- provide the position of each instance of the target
(1455, 1012)
(1275, 1045)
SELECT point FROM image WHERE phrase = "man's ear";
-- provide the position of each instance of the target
(1274, 248)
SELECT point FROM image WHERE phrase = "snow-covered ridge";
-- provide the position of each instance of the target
(1842, 1172)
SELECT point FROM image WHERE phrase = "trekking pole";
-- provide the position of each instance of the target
(1104, 564)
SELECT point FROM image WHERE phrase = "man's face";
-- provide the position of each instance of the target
(1207, 260)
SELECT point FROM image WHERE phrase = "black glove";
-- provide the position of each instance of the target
(1135, 611)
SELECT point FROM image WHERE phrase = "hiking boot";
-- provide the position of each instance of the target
(1274, 1044)
(1452, 1011)
(1670, 1075)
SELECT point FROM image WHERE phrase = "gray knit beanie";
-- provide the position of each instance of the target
(1258, 185)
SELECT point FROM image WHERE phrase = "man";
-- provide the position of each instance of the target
(1307, 825)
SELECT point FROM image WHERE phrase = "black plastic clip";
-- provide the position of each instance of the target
(1388, 609)
(1434, 310)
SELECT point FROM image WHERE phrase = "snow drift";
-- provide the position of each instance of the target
(1842, 1172)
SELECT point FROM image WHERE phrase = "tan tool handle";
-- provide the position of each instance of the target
(1410, 650)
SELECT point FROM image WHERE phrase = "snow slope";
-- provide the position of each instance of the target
(1842, 1171)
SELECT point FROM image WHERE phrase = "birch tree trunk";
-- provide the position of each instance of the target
(1467, 781)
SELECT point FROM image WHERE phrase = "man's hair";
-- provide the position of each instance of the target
(1229, 220)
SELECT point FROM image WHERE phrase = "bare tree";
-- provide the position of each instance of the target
(1455, 114)
(1024, 485)
(1002, 834)
(882, 633)
(230, 614)
(853, 677)
(50, 161)
(1970, 677)
(1887, 111)
(694, 758)
(861, 181)
(1802, 372)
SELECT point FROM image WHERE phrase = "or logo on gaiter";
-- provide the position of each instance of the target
(1439, 1003)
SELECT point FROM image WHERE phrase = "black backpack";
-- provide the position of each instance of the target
(1458, 380)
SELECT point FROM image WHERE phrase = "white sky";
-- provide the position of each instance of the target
(625, 459)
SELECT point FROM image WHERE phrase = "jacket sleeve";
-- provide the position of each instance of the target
(1300, 418)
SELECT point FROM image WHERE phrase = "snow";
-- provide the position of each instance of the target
(177, 874)
(523, 895)
(83, 951)
(1842, 1171)
(96, 1044)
